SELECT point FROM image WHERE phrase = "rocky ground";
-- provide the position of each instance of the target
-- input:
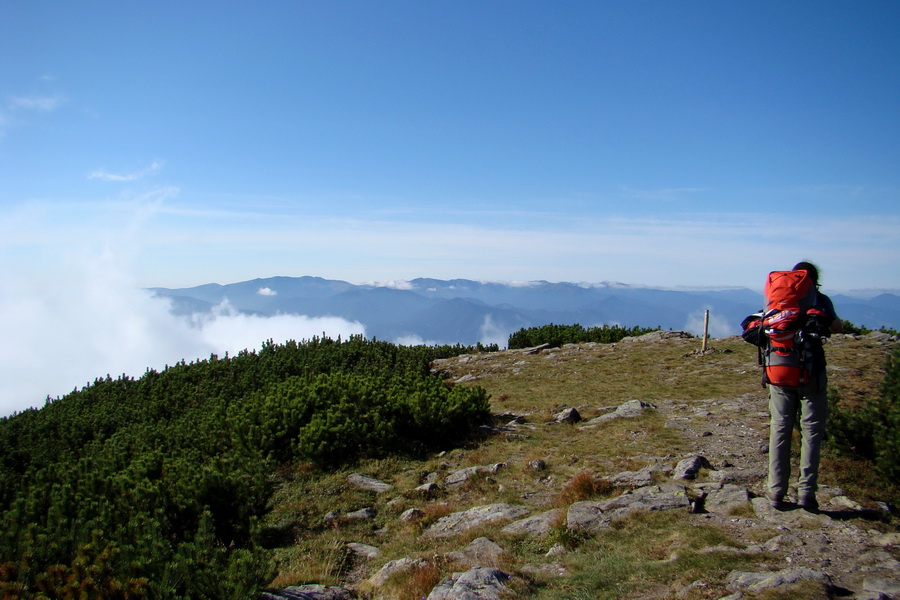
(847, 549)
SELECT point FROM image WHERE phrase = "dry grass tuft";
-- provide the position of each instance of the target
(416, 584)
(585, 486)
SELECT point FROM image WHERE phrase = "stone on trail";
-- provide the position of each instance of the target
(690, 467)
(637, 479)
(727, 499)
(886, 586)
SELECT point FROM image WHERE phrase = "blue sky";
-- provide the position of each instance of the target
(670, 144)
(690, 143)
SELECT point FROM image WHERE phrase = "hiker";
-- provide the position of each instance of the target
(809, 397)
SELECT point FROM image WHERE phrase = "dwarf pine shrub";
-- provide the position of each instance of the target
(558, 335)
(872, 430)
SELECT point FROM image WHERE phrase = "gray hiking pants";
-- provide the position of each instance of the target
(811, 400)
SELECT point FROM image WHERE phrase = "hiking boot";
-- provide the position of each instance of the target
(808, 503)
(775, 501)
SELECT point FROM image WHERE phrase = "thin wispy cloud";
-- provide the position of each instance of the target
(104, 175)
(37, 103)
(660, 194)
(14, 111)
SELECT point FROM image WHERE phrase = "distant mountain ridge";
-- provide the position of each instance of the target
(464, 311)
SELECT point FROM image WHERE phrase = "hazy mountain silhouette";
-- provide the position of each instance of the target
(466, 311)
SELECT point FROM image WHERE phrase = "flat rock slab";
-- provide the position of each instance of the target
(638, 479)
(363, 550)
(886, 586)
(475, 584)
(482, 552)
(630, 409)
(727, 499)
(458, 478)
(756, 582)
(536, 526)
(368, 483)
(591, 516)
(308, 592)
(458, 522)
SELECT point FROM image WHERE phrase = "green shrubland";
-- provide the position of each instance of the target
(155, 487)
(558, 335)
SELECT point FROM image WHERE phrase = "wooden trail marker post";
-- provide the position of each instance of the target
(705, 331)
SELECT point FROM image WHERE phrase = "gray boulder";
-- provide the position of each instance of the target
(458, 478)
(412, 514)
(395, 567)
(475, 584)
(690, 467)
(630, 409)
(592, 516)
(363, 550)
(568, 415)
(637, 479)
(363, 514)
(727, 499)
(459, 522)
(368, 483)
(481, 552)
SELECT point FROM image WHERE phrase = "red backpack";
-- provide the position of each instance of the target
(781, 328)
(789, 294)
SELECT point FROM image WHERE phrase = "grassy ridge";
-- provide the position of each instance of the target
(211, 479)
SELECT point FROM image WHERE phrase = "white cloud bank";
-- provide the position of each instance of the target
(62, 332)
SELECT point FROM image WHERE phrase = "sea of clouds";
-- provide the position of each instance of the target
(85, 317)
